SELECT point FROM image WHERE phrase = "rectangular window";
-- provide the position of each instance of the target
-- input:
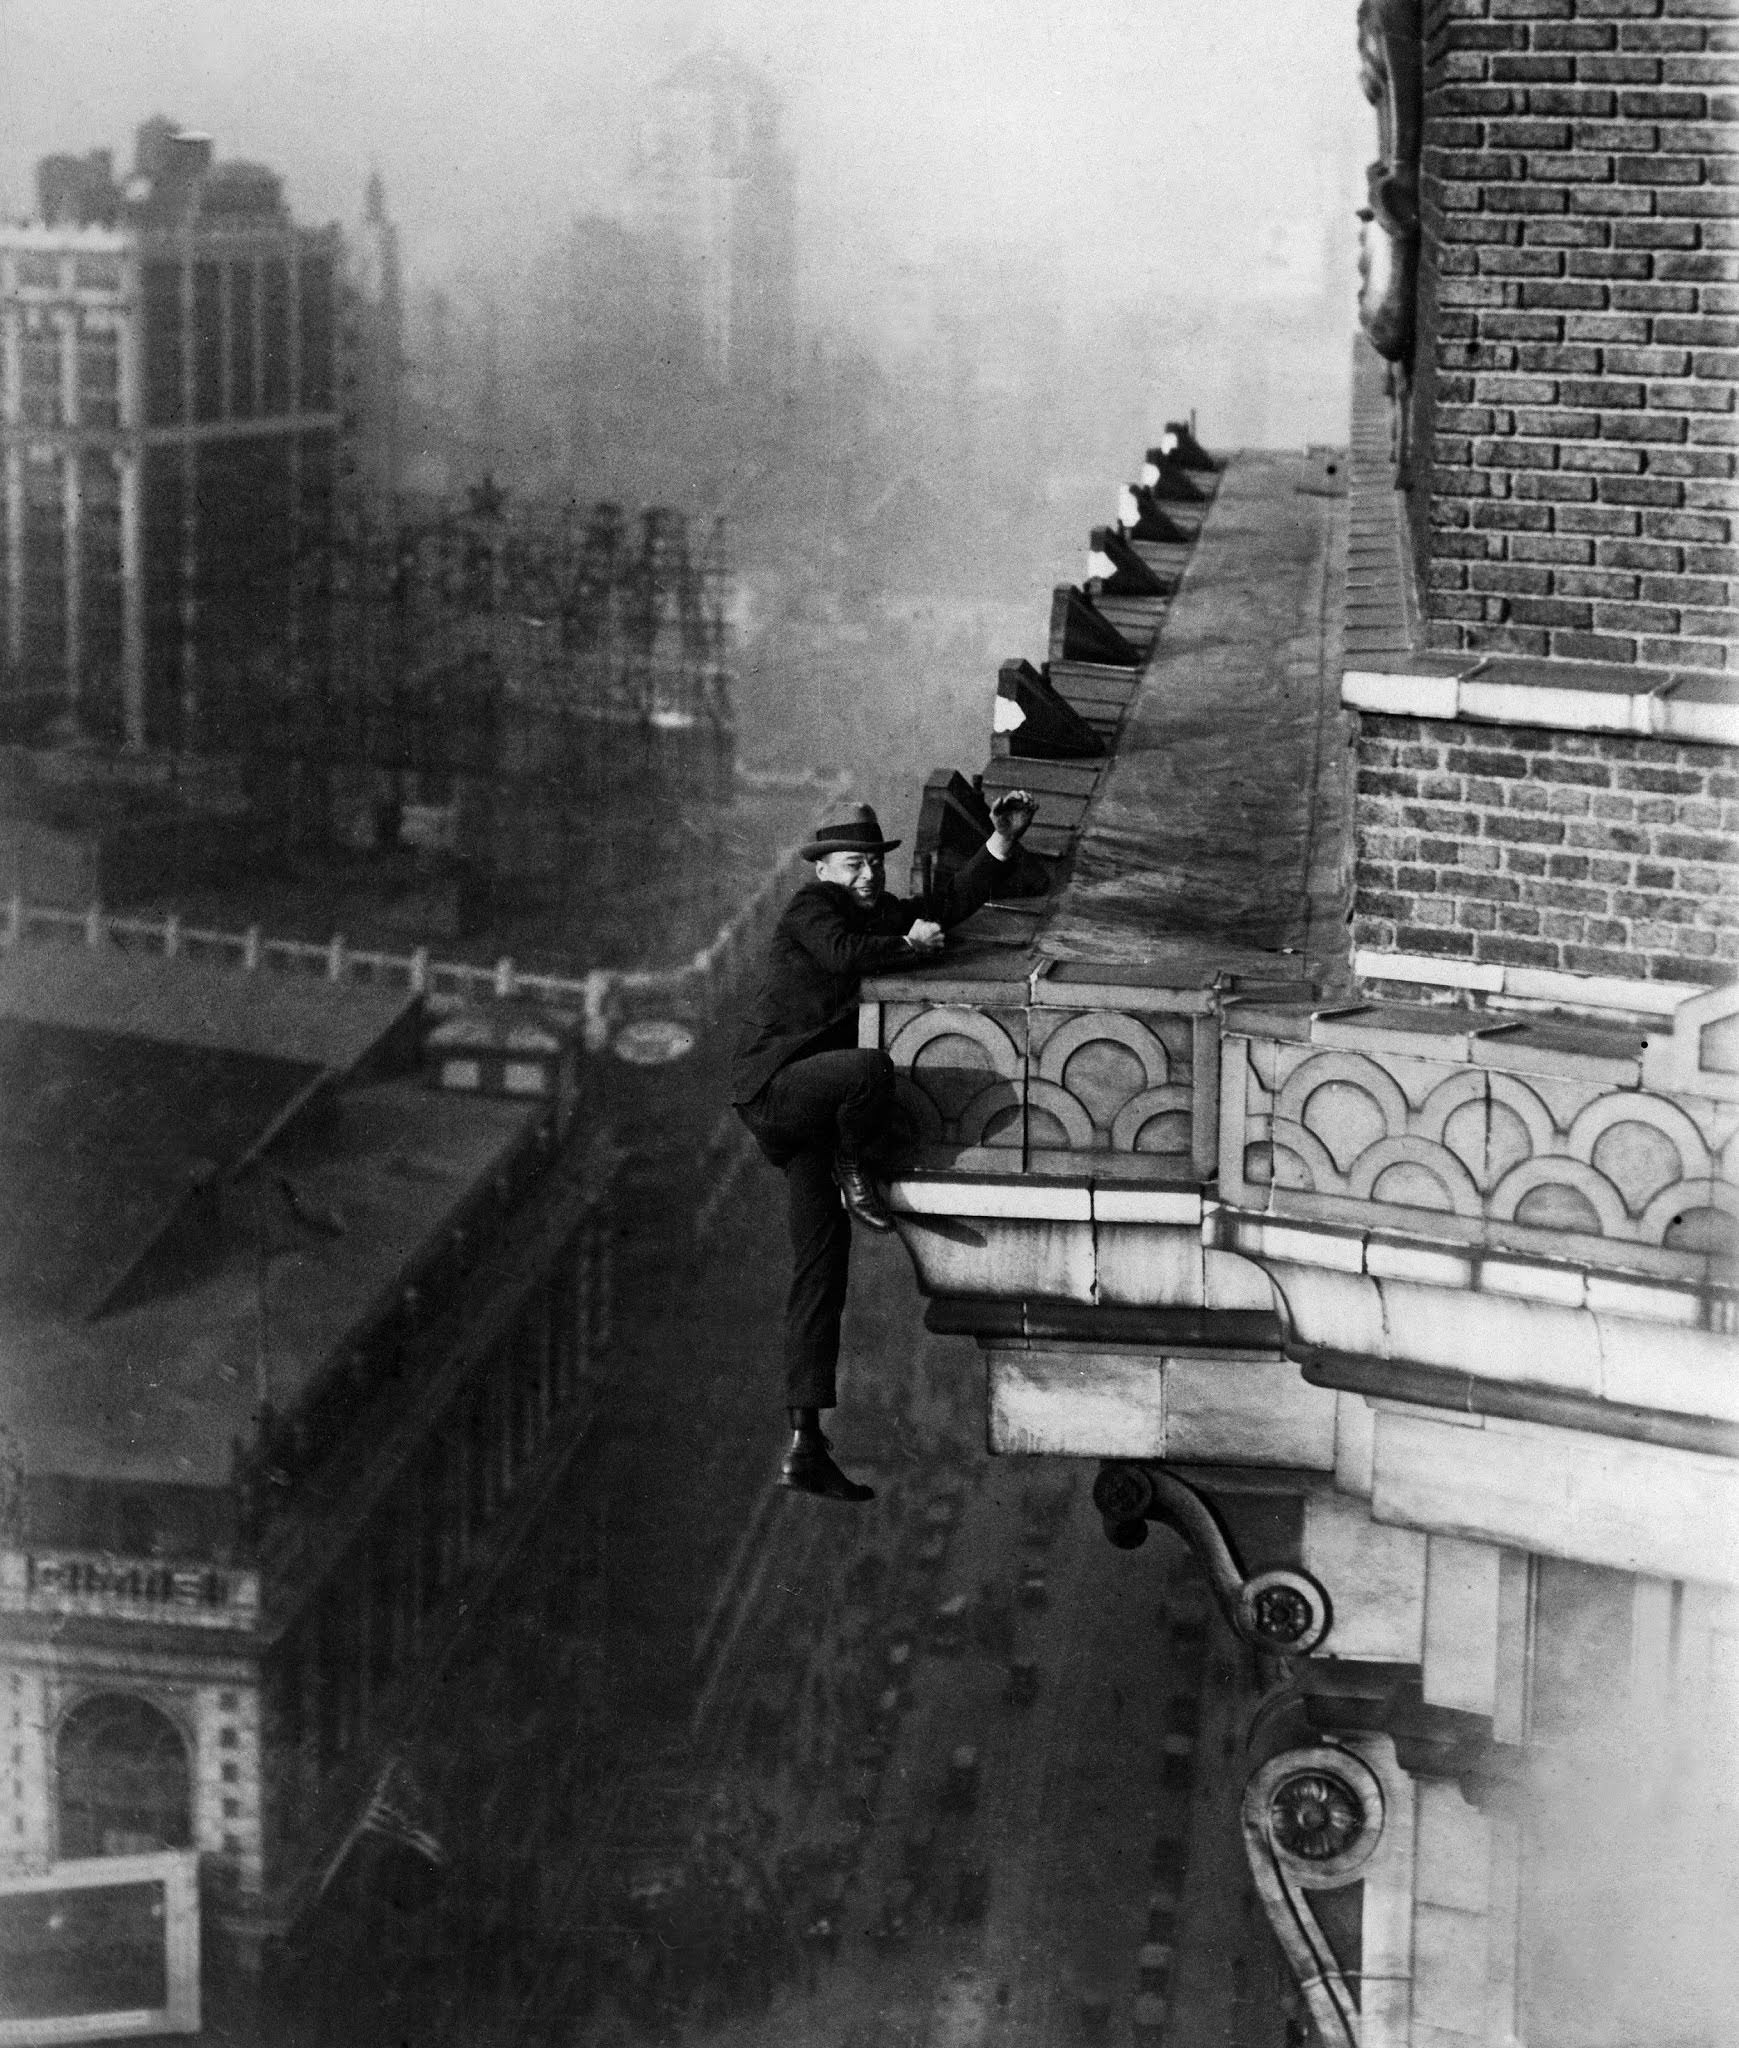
(244, 391)
(99, 377)
(39, 379)
(275, 336)
(162, 501)
(207, 341)
(160, 303)
(317, 334)
(100, 572)
(39, 273)
(97, 274)
(42, 606)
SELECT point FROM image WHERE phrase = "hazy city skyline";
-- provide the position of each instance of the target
(1130, 150)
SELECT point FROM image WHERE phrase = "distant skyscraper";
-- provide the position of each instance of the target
(712, 195)
(377, 345)
(168, 446)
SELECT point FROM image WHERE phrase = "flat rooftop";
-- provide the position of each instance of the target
(104, 1141)
(185, 1003)
(259, 1203)
(160, 1392)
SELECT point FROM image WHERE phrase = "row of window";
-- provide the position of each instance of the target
(255, 331)
(246, 338)
(50, 273)
(92, 354)
(327, 1677)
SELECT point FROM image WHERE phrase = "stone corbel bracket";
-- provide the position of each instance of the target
(1282, 1612)
(1312, 1819)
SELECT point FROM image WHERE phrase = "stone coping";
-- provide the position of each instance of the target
(1670, 704)
(1544, 987)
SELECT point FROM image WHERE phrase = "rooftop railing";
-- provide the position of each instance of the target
(605, 998)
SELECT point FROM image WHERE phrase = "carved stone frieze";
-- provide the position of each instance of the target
(1313, 1129)
(1054, 1081)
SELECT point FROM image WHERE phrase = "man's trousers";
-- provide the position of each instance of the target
(808, 1113)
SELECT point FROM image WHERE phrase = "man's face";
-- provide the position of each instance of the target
(861, 873)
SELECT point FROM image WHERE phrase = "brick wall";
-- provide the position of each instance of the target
(1583, 853)
(1579, 329)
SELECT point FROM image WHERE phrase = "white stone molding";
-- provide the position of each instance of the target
(1698, 708)
(1700, 1056)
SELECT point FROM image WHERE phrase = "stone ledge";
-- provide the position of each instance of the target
(910, 1195)
(1469, 1262)
(1668, 704)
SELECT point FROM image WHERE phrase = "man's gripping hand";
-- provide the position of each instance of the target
(1010, 814)
(925, 937)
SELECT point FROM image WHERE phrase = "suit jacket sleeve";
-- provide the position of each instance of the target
(832, 943)
(967, 890)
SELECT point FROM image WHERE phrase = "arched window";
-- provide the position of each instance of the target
(121, 1780)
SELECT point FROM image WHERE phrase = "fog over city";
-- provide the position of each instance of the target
(1144, 145)
(489, 490)
(1024, 236)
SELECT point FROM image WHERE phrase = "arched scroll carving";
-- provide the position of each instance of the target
(1281, 1612)
(1391, 77)
(1312, 1819)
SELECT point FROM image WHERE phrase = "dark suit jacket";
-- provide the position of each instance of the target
(821, 949)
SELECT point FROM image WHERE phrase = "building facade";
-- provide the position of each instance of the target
(712, 198)
(356, 1306)
(372, 353)
(1341, 1148)
(169, 430)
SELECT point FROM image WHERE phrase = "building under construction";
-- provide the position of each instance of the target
(222, 645)
(521, 707)
(532, 694)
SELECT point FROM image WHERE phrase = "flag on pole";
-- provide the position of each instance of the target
(394, 1845)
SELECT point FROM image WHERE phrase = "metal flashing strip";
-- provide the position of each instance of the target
(1467, 1267)
(1663, 711)
(1235, 1335)
(1431, 1386)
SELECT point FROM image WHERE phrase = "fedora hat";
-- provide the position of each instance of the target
(859, 833)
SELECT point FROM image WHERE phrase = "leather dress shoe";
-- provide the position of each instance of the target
(862, 1196)
(807, 1468)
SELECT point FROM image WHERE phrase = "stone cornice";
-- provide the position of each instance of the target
(1686, 705)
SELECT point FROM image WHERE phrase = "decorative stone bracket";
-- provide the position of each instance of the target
(1282, 1612)
(1312, 1819)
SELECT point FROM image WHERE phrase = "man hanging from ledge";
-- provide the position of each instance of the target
(818, 1105)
